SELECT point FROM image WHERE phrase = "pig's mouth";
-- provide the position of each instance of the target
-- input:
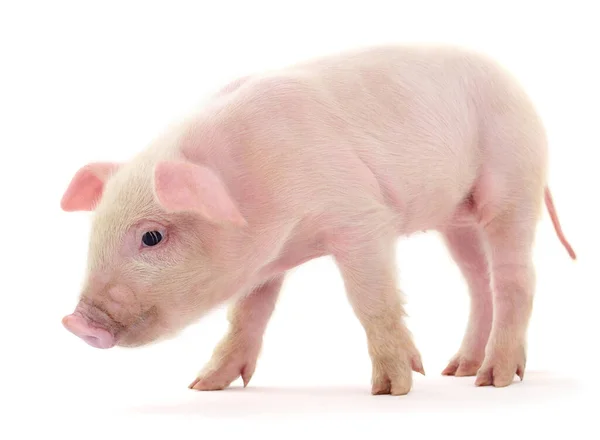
(137, 333)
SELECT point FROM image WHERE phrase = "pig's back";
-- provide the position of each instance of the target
(411, 116)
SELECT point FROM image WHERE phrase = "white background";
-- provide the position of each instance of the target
(83, 81)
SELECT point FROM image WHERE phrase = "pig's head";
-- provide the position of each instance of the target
(153, 261)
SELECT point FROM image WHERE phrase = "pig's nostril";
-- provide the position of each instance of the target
(93, 341)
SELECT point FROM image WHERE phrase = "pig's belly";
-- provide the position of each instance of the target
(431, 211)
(425, 202)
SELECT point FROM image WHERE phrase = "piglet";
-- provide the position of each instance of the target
(335, 156)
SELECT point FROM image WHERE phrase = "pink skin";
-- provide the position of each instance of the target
(513, 274)
(111, 303)
(380, 310)
(86, 186)
(466, 248)
(94, 336)
(337, 157)
(237, 353)
(198, 189)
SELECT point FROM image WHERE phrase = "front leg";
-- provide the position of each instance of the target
(367, 265)
(238, 351)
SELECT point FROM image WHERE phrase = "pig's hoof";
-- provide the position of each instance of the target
(499, 371)
(461, 366)
(396, 383)
(394, 376)
(200, 384)
(233, 357)
(221, 377)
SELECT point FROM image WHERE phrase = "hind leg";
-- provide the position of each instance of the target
(466, 247)
(510, 236)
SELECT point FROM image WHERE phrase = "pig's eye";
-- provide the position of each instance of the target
(152, 238)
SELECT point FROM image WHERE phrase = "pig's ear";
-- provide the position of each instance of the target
(183, 186)
(86, 186)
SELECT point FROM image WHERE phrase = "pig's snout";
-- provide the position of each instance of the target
(95, 336)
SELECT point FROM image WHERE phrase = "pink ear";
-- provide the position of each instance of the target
(86, 186)
(182, 186)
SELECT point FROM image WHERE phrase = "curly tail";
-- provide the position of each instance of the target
(556, 223)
